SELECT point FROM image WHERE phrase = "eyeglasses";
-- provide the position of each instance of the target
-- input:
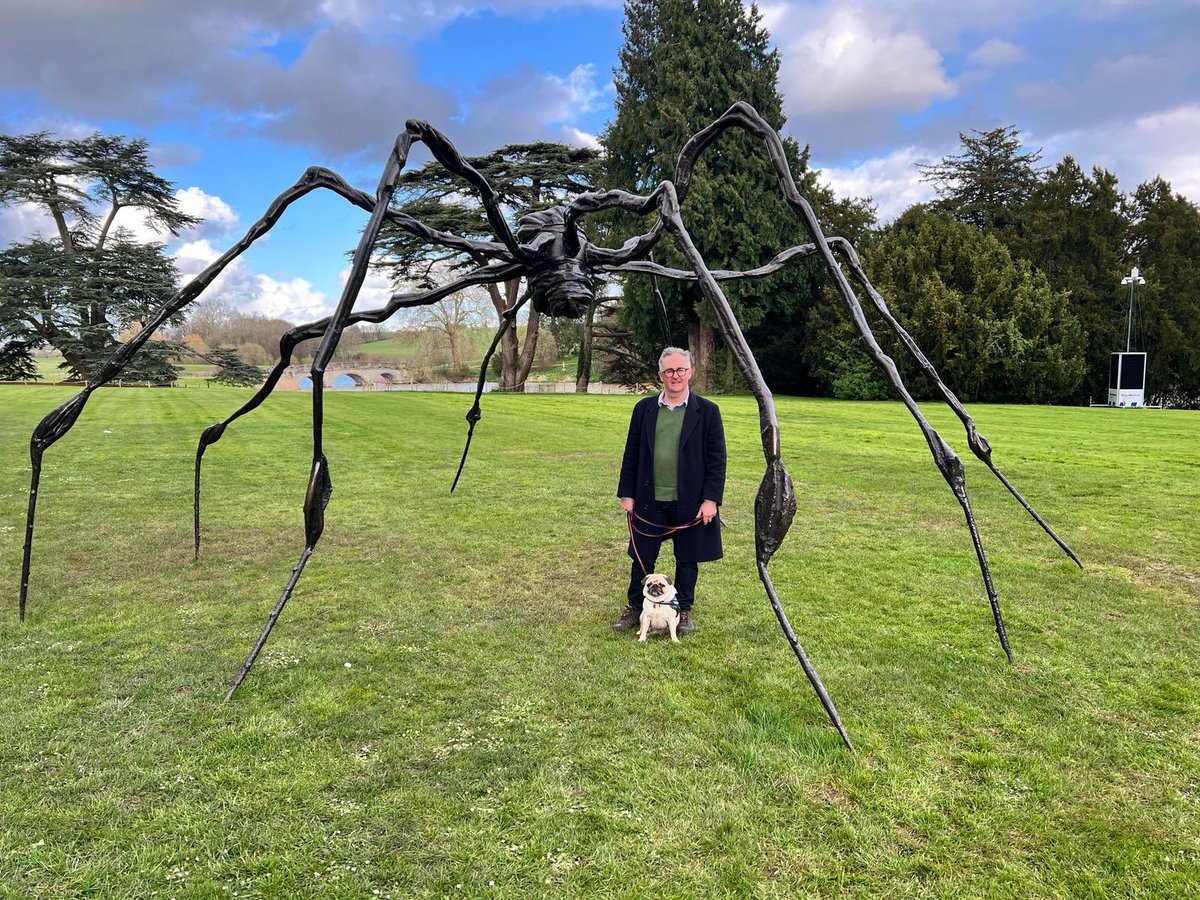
(675, 373)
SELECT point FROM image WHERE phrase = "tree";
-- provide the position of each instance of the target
(451, 318)
(79, 290)
(1165, 239)
(683, 64)
(788, 342)
(1075, 231)
(991, 325)
(232, 369)
(527, 177)
(16, 360)
(989, 182)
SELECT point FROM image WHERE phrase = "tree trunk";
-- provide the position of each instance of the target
(454, 337)
(702, 344)
(64, 232)
(509, 345)
(583, 372)
(531, 336)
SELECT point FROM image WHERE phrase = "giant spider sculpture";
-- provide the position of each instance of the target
(561, 269)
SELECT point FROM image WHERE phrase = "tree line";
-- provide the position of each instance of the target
(1009, 279)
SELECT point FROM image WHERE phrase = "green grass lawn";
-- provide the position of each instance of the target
(443, 710)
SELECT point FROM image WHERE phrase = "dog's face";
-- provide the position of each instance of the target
(657, 587)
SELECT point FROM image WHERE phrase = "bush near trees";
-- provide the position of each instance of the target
(991, 325)
(1085, 235)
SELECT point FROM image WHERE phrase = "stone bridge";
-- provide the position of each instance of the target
(397, 378)
(363, 378)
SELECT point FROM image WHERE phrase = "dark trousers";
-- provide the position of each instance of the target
(686, 573)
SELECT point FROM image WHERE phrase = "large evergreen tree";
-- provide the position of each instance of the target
(1075, 231)
(79, 290)
(683, 64)
(988, 183)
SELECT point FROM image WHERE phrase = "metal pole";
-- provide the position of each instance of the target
(1129, 328)
(1133, 279)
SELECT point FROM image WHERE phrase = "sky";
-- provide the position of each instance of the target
(238, 97)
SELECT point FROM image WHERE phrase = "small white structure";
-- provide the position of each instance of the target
(1127, 379)
(1127, 371)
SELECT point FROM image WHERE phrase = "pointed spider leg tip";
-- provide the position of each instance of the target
(1032, 512)
(1005, 646)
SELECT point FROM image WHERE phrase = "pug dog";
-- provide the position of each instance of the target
(660, 609)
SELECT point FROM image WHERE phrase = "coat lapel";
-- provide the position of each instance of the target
(651, 422)
(691, 418)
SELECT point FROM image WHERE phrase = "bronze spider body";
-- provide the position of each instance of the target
(562, 269)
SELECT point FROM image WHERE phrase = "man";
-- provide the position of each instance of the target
(672, 473)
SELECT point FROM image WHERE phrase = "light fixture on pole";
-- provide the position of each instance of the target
(1127, 371)
(1133, 279)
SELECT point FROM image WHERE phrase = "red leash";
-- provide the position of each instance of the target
(666, 531)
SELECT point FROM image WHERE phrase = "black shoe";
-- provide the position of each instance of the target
(629, 619)
(685, 625)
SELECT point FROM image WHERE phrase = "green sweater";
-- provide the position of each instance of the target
(667, 429)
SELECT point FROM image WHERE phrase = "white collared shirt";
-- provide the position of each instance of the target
(662, 400)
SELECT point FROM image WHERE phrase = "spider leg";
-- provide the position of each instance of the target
(775, 504)
(660, 307)
(945, 458)
(475, 413)
(287, 345)
(978, 443)
(301, 333)
(744, 116)
(58, 422)
(320, 485)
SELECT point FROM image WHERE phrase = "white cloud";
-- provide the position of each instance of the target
(582, 95)
(235, 285)
(219, 217)
(526, 104)
(375, 292)
(850, 62)
(295, 300)
(348, 93)
(23, 221)
(996, 53)
(570, 135)
(893, 182)
(1136, 150)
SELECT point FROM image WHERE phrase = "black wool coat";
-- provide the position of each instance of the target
(701, 471)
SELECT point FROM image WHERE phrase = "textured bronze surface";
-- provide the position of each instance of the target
(562, 269)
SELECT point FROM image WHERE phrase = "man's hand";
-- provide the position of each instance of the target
(627, 504)
(708, 511)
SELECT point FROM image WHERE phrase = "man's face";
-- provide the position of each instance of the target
(676, 374)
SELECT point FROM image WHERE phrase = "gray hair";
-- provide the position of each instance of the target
(673, 351)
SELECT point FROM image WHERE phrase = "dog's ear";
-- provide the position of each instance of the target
(645, 578)
(669, 581)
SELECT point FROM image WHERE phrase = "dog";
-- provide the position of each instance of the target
(660, 609)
